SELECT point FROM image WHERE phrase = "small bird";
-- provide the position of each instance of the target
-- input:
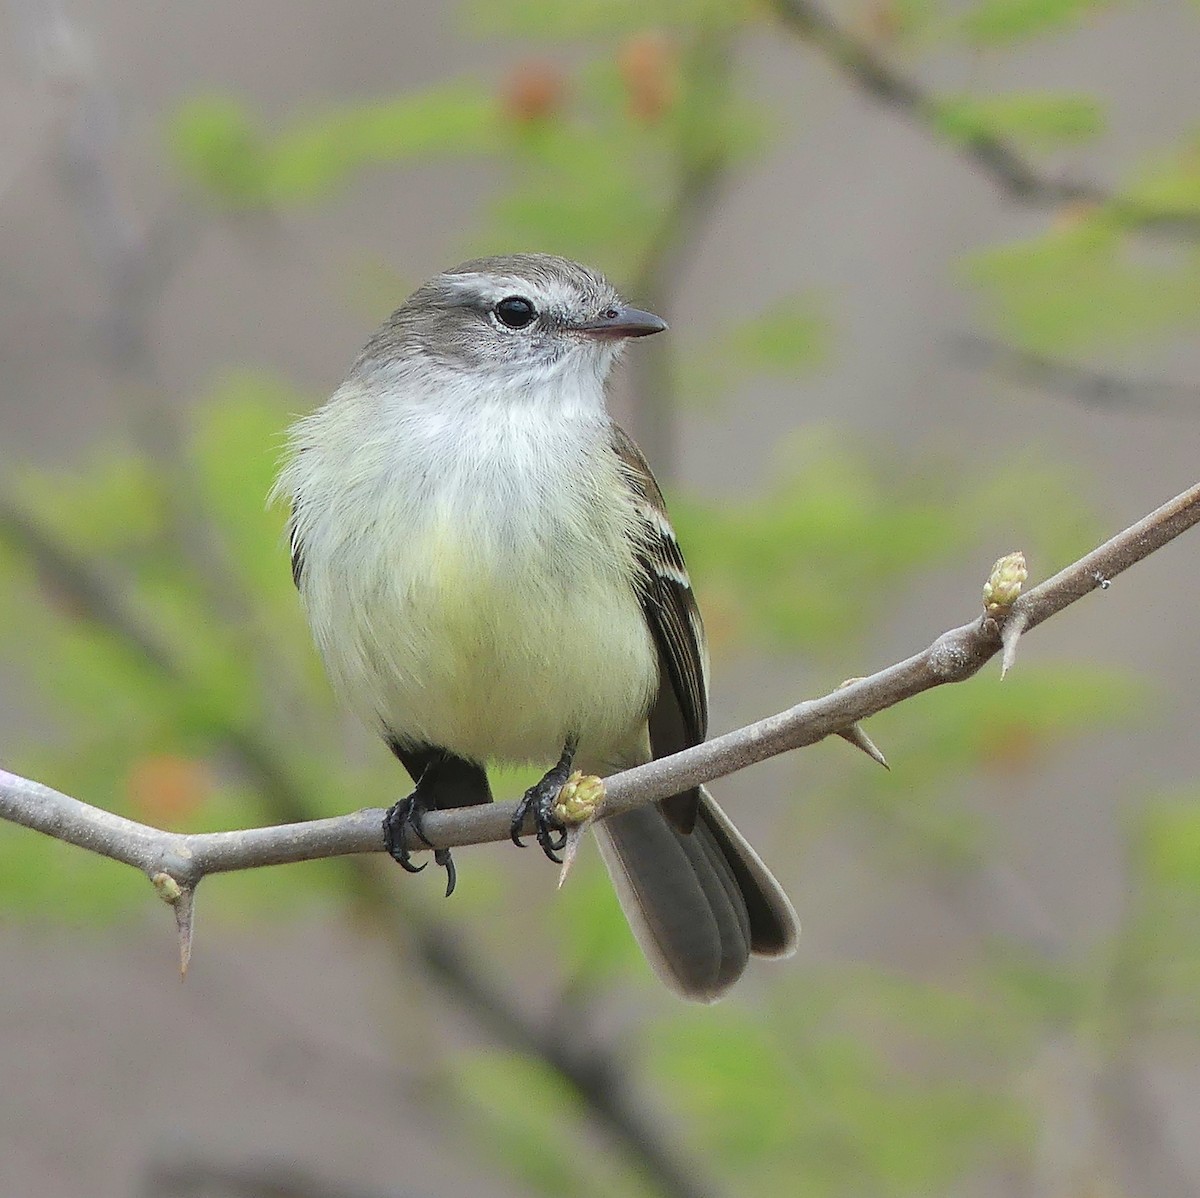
(490, 575)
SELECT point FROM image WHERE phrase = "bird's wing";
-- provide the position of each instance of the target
(679, 717)
(297, 548)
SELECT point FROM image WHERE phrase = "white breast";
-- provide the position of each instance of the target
(468, 576)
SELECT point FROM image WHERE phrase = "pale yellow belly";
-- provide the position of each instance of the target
(501, 664)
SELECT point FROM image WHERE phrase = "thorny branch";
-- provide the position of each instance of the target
(177, 863)
(996, 157)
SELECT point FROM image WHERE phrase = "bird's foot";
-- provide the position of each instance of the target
(541, 800)
(406, 814)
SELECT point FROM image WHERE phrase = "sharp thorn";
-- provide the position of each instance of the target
(570, 848)
(1010, 635)
(860, 740)
(184, 912)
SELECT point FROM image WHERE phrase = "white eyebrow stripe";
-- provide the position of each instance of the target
(490, 286)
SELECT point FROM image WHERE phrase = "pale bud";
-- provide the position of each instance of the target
(1003, 587)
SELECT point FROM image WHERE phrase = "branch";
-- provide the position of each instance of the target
(997, 158)
(1097, 388)
(953, 657)
(702, 165)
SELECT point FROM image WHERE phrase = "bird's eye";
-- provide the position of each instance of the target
(515, 311)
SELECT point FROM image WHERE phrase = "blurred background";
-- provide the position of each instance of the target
(933, 275)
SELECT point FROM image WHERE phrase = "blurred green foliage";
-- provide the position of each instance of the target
(850, 1080)
(1080, 285)
(1000, 22)
(1043, 120)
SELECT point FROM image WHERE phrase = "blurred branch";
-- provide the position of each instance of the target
(701, 171)
(202, 1177)
(1096, 388)
(955, 656)
(657, 412)
(997, 158)
(135, 264)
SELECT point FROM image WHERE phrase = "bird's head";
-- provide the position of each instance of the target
(507, 323)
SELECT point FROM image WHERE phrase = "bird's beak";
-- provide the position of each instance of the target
(618, 323)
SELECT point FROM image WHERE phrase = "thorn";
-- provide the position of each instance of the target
(571, 847)
(182, 898)
(184, 910)
(860, 740)
(1010, 634)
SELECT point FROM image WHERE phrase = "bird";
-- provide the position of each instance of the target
(491, 577)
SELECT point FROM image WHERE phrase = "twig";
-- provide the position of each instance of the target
(1097, 388)
(955, 656)
(1000, 160)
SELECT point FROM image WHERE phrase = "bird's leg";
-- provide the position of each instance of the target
(408, 813)
(540, 799)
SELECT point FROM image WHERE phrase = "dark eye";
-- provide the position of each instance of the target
(515, 311)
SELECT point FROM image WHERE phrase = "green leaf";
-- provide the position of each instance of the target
(215, 145)
(237, 445)
(1079, 285)
(994, 22)
(317, 156)
(793, 336)
(1170, 186)
(1169, 843)
(1042, 120)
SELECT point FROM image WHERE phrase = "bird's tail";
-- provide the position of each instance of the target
(699, 903)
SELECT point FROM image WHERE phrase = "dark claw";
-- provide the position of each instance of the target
(540, 799)
(408, 813)
(394, 821)
(545, 825)
(442, 857)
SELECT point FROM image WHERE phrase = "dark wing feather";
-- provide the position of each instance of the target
(297, 552)
(679, 717)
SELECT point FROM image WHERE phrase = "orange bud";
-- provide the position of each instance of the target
(1073, 214)
(882, 21)
(164, 788)
(649, 66)
(535, 91)
(1009, 749)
